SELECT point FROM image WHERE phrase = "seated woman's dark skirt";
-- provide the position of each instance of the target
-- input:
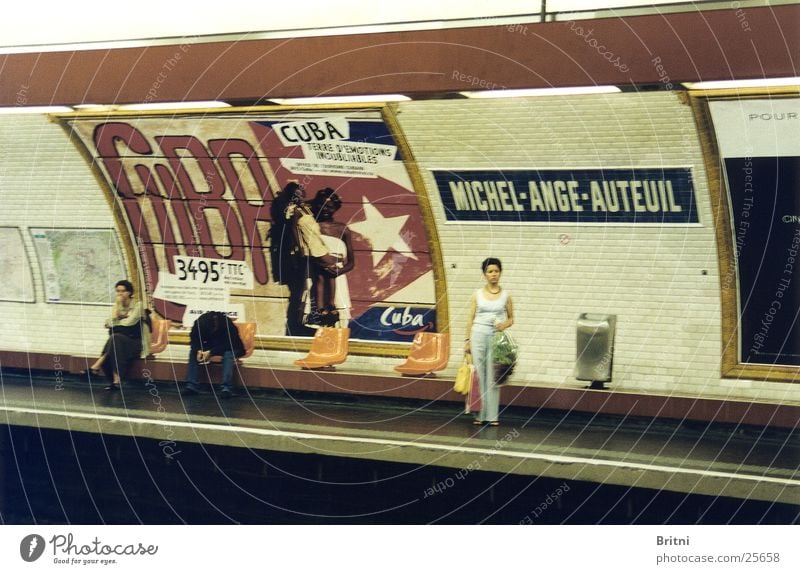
(120, 350)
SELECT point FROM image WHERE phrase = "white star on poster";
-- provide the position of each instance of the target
(383, 233)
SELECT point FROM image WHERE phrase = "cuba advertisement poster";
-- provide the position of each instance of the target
(288, 219)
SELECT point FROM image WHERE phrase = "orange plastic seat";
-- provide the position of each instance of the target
(159, 335)
(329, 347)
(247, 333)
(429, 352)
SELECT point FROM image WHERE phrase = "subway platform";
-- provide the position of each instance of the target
(74, 453)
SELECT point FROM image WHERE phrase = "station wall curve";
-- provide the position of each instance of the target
(650, 256)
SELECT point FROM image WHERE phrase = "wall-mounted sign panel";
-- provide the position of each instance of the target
(79, 265)
(760, 150)
(626, 196)
(17, 283)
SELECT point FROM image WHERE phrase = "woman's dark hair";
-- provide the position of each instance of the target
(125, 283)
(491, 261)
(291, 187)
(294, 192)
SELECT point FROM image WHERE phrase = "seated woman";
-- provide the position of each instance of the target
(129, 336)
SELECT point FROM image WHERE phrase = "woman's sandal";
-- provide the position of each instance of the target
(93, 372)
(477, 423)
(494, 424)
(111, 388)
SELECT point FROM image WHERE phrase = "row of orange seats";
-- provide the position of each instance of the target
(430, 352)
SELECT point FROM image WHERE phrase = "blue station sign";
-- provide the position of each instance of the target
(627, 195)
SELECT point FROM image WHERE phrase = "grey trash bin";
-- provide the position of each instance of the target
(595, 357)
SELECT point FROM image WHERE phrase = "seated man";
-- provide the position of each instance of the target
(213, 334)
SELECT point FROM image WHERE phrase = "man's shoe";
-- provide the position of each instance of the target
(226, 394)
(189, 391)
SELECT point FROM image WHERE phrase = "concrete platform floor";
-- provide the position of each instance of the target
(730, 461)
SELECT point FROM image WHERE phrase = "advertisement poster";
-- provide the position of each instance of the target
(293, 220)
(760, 151)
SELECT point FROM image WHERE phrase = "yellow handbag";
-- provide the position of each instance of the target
(464, 375)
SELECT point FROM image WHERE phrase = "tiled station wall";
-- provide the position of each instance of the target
(46, 183)
(661, 282)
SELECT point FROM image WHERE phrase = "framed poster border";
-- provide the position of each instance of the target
(730, 364)
(295, 344)
(115, 237)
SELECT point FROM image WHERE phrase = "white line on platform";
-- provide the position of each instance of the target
(422, 445)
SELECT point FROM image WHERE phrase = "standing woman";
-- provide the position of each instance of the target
(129, 336)
(490, 310)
